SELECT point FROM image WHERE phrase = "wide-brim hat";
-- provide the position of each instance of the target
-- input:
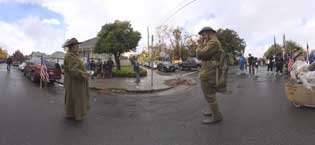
(207, 29)
(71, 42)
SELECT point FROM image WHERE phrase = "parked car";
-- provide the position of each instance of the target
(32, 71)
(153, 65)
(190, 63)
(15, 63)
(166, 66)
(21, 66)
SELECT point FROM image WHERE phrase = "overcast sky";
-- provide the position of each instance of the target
(43, 25)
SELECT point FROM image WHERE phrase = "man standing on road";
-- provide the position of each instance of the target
(209, 51)
(270, 64)
(9, 62)
(279, 64)
(251, 63)
(76, 83)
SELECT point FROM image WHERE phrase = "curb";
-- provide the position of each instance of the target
(134, 91)
(129, 91)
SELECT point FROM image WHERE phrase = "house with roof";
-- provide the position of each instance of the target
(86, 49)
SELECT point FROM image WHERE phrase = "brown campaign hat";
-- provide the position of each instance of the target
(70, 42)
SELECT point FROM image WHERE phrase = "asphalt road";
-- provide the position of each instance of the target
(256, 113)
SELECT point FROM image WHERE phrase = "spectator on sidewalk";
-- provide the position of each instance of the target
(110, 65)
(92, 65)
(136, 68)
(104, 69)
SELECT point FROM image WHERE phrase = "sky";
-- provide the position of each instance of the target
(44, 25)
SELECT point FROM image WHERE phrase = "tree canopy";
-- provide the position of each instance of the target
(117, 38)
(273, 50)
(231, 42)
(291, 46)
(3, 53)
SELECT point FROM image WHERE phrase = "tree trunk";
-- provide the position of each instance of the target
(117, 60)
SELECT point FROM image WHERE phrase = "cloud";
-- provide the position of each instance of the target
(13, 38)
(51, 21)
(256, 21)
(31, 34)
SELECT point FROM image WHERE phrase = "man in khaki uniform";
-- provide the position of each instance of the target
(76, 83)
(210, 52)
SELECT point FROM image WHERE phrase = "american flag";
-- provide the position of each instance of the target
(43, 71)
(290, 64)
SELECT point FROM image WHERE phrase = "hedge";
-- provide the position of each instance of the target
(127, 71)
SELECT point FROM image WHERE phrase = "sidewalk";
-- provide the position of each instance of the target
(129, 85)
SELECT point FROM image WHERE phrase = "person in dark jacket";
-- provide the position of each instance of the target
(110, 65)
(9, 63)
(251, 63)
(279, 64)
(270, 63)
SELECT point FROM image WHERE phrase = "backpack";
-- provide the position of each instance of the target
(222, 72)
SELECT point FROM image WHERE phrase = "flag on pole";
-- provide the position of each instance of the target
(43, 70)
(274, 42)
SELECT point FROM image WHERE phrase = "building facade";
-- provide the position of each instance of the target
(87, 50)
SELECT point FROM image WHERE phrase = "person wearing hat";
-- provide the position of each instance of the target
(110, 64)
(76, 83)
(209, 52)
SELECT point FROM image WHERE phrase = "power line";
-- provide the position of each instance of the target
(170, 12)
(179, 9)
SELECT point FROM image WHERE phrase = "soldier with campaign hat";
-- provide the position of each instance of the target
(76, 83)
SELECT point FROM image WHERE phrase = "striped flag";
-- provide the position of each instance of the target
(43, 71)
(290, 64)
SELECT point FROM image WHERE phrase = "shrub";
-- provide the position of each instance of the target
(127, 71)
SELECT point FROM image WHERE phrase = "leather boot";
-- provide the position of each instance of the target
(216, 116)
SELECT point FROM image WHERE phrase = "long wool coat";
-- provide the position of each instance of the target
(76, 87)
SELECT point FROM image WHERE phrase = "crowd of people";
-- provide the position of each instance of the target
(274, 63)
(105, 69)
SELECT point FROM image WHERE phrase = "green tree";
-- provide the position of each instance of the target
(291, 47)
(231, 42)
(3, 53)
(273, 50)
(117, 38)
